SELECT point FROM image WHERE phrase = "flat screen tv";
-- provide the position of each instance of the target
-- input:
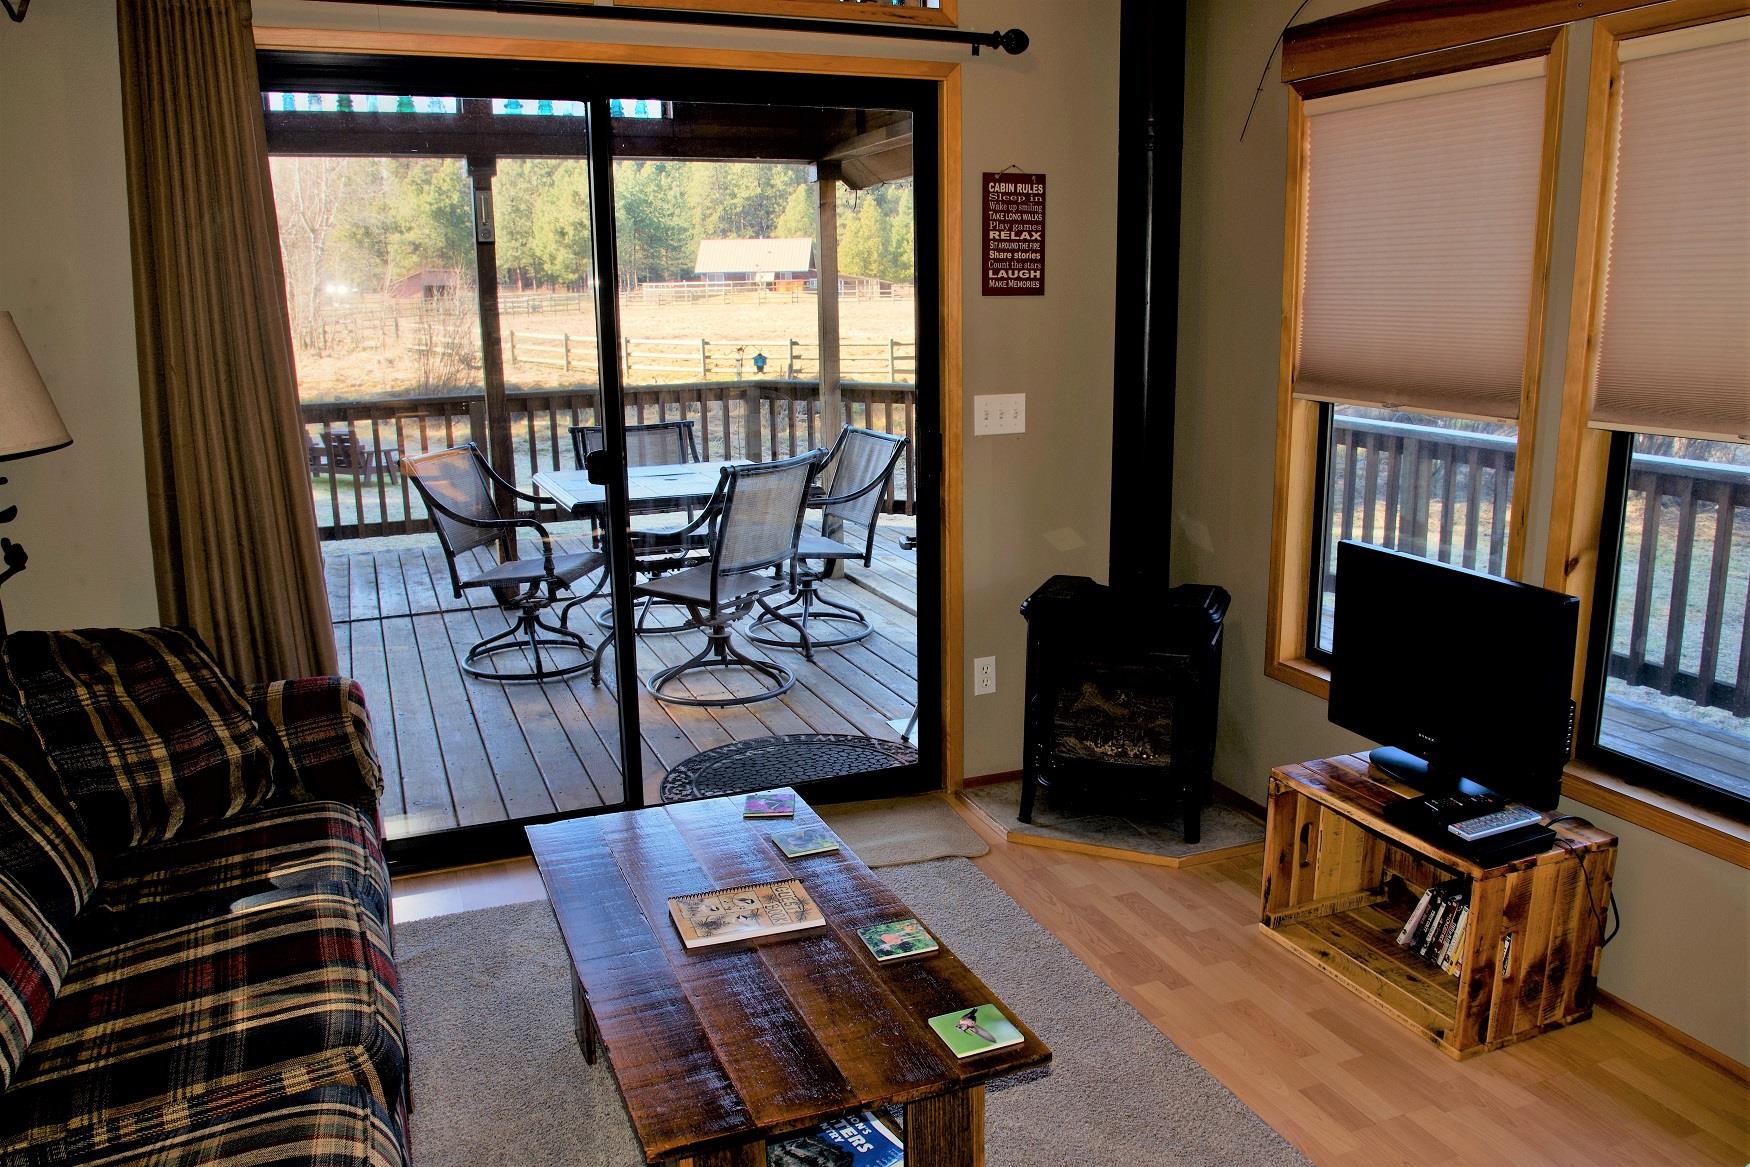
(1463, 678)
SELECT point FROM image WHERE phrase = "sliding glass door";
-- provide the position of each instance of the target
(739, 272)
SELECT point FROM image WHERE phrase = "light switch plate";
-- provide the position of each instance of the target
(999, 413)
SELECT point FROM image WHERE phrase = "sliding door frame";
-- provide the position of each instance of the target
(945, 77)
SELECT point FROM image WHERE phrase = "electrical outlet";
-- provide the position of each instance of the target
(999, 413)
(984, 675)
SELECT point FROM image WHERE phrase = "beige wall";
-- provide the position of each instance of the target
(1684, 951)
(65, 277)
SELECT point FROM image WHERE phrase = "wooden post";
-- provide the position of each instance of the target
(752, 407)
(704, 361)
(498, 444)
(826, 197)
(565, 350)
(826, 201)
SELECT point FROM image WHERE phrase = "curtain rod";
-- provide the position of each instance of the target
(1013, 40)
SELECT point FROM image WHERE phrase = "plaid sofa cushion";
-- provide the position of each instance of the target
(184, 1027)
(33, 961)
(42, 842)
(46, 875)
(147, 734)
(337, 1126)
(327, 846)
(319, 733)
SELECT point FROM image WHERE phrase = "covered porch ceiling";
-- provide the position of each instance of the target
(868, 146)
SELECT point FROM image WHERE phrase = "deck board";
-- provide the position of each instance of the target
(460, 752)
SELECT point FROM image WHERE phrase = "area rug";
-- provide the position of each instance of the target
(1223, 827)
(887, 832)
(498, 1077)
(787, 760)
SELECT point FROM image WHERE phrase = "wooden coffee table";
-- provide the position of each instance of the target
(717, 1050)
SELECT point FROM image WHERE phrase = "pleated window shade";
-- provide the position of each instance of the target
(1674, 338)
(1421, 227)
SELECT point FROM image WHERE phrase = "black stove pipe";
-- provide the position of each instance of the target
(1151, 108)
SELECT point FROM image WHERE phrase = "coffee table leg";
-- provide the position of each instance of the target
(747, 1155)
(585, 1020)
(947, 1130)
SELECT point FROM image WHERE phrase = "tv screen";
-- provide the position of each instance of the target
(1469, 672)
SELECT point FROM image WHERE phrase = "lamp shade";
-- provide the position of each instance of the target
(29, 422)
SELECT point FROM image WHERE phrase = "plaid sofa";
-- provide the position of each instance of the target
(195, 961)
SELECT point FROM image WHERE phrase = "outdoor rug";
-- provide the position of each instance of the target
(793, 759)
(498, 1077)
(1222, 826)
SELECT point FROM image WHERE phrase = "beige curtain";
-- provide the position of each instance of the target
(233, 526)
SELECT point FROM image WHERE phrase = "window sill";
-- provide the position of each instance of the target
(1664, 814)
(1306, 675)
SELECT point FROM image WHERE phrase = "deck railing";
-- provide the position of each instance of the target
(1683, 605)
(758, 420)
(1683, 615)
(1441, 493)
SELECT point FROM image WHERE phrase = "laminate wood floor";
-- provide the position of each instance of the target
(458, 751)
(1341, 1081)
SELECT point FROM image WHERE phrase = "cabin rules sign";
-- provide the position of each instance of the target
(1014, 234)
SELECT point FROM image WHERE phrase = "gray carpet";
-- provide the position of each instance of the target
(886, 832)
(1083, 822)
(498, 1078)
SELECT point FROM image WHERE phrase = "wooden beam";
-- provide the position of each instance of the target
(1406, 28)
(876, 141)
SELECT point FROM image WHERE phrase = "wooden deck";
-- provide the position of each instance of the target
(463, 752)
(1715, 756)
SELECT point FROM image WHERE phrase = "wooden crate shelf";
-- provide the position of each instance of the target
(1339, 882)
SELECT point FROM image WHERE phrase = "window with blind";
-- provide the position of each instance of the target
(1669, 659)
(1421, 204)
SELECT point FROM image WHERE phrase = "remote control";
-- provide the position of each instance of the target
(1513, 817)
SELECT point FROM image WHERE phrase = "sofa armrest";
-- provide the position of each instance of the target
(319, 733)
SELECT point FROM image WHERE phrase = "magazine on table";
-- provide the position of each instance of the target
(744, 913)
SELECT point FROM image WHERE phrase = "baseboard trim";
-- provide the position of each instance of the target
(992, 779)
(1700, 1050)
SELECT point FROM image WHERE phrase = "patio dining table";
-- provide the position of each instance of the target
(648, 487)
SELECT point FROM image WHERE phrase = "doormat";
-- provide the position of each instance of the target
(789, 760)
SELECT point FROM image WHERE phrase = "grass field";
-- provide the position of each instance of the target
(370, 361)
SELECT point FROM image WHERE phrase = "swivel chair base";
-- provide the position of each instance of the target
(765, 629)
(540, 639)
(720, 653)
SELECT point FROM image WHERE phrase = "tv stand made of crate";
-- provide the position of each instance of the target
(1339, 882)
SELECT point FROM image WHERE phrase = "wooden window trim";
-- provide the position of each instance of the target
(1293, 523)
(1401, 29)
(945, 16)
(1583, 453)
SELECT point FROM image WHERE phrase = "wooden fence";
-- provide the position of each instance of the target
(1683, 618)
(641, 360)
(757, 420)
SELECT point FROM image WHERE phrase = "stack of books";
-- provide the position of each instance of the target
(1436, 928)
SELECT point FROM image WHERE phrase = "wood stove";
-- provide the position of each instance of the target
(1121, 694)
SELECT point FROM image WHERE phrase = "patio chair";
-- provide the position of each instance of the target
(753, 521)
(456, 485)
(860, 473)
(654, 551)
